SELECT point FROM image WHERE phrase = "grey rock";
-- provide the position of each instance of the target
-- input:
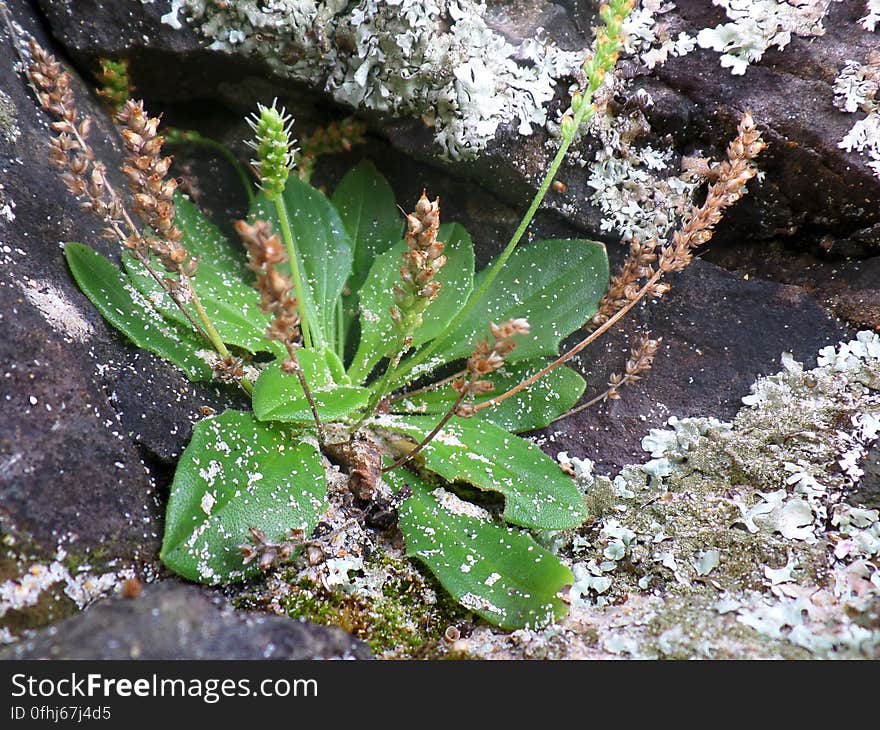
(719, 333)
(173, 620)
(83, 408)
(815, 195)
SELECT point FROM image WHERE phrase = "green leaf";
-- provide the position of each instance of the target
(500, 573)
(555, 284)
(238, 473)
(365, 202)
(377, 330)
(323, 250)
(123, 306)
(537, 493)
(223, 283)
(366, 206)
(535, 407)
(278, 396)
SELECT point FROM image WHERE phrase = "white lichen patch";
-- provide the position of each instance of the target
(61, 314)
(735, 540)
(856, 91)
(649, 37)
(438, 60)
(872, 15)
(83, 587)
(756, 25)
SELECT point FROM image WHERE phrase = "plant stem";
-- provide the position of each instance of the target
(340, 330)
(425, 353)
(382, 386)
(592, 337)
(213, 336)
(294, 268)
(608, 43)
(297, 369)
(425, 441)
(436, 385)
(170, 292)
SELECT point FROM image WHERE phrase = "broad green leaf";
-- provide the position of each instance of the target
(537, 493)
(500, 573)
(323, 250)
(365, 202)
(223, 283)
(376, 297)
(534, 407)
(366, 206)
(278, 396)
(555, 284)
(123, 306)
(238, 473)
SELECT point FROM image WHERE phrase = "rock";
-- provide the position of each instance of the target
(719, 333)
(84, 409)
(172, 620)
(815, 194)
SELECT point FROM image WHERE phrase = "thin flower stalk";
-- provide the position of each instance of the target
(732, 176)
(488, 356)
(418, 286)
(640, 361)
(146, 171)
(85, 176)
(265, 254)
(609, 40)
(275, 154)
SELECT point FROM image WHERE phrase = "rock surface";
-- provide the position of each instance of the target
(87, 416)
(719, 333)
(815, 194)
(172, 620)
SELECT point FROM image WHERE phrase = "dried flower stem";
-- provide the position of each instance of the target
(430, 388)
(425, 441)
(86, 178)
(418, 287)
(733, 174)
(486, 359)
(609, 40)
(640, 361)
(265, 253)
(292, 365)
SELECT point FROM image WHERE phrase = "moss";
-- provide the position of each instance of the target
(394, 620)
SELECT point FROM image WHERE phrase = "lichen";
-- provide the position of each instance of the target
(41, 592)
(856, 90)
(757, 25)
(438, 60)
(740, 539)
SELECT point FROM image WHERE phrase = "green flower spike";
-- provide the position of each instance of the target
(273, 145)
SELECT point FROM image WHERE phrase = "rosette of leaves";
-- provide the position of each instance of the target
(264, 468)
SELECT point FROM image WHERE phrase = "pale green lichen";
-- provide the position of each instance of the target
(757, 25)
(741, 539)
(438, 60)
(857, 89)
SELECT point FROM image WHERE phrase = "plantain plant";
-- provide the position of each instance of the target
(335, 317)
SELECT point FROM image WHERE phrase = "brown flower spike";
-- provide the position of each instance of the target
(487, 358)
(82, 174)
(266, 252)
(153, 194)
(421, 262)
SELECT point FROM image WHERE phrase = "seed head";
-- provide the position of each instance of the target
(273, 145)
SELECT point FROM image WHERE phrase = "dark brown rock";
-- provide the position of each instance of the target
(719, 332)
(172, 620)
(83, 408)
